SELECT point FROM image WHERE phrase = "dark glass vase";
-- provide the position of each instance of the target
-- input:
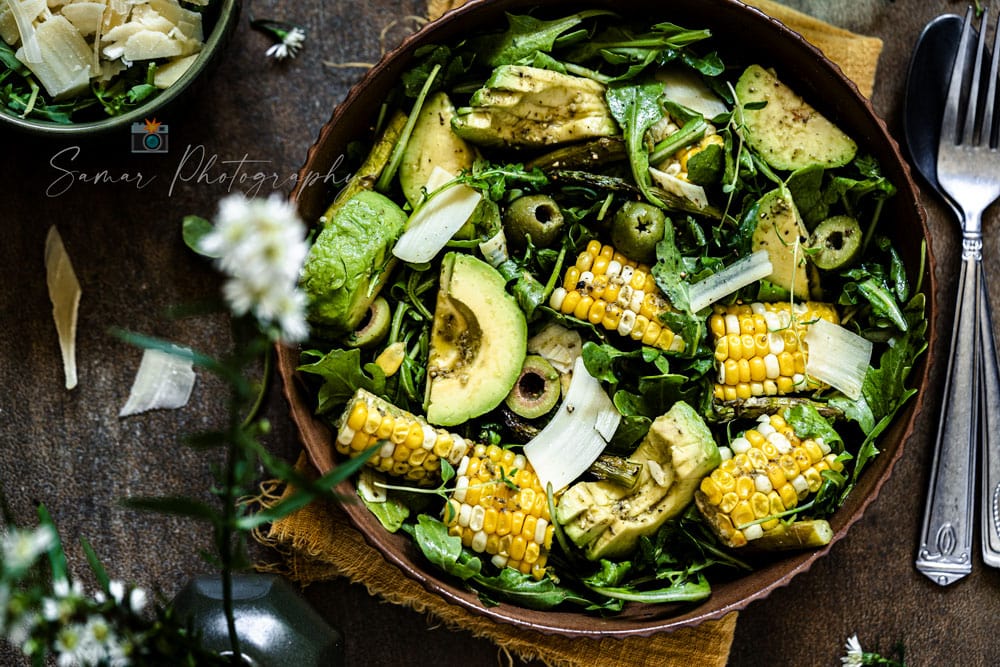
(275, 624)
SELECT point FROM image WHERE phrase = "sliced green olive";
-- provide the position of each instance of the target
(375, 327)
(537, 389)
(636, 228)
(537, 216)
(835, 242)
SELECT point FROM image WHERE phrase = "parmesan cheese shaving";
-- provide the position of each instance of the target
(64, 292)
(577, 434)
(838, 357)
(163, 382)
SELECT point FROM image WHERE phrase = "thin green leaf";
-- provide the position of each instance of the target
(57, 556)
(103, 580)
(173, 505)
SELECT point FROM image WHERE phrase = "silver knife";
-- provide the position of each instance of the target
(989, 437)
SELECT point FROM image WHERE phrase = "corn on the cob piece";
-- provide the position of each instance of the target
(411, 448)
(772, 470)
(606, 288)
(759, 349)
(500, 508)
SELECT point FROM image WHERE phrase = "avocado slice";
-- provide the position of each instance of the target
(608, 519)
(788, 132)
(780, 231)
(433, 144)
(522, 106)
(478, 342)
(350, 260)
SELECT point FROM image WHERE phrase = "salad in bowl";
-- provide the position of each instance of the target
(613, 311)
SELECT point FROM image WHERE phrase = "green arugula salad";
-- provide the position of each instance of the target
(78, 60)
(606, 316)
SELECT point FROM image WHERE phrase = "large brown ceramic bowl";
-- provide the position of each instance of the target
(740, 33)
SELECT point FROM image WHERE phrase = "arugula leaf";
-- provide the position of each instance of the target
(806, 188)
(809, 423)
(495, 181)
(661, 44)
(342, 375)
(684, 591)
(391, 514)
(884, 389)
(523, 589)
(444, 550)
(668, 270)
(636, 109)
(526, 35)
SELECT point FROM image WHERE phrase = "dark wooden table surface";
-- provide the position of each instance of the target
(120, 219)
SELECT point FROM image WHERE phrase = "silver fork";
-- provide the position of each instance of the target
(968, 169)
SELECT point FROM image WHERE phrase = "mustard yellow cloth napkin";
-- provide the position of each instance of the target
(318, 542)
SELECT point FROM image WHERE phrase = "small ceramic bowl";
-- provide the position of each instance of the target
(737, 29)
(220, 19)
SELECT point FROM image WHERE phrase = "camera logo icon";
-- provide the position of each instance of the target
(149, 137)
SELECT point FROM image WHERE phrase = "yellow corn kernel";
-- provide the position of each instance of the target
(711, 490)
(728, 502)
(599, 286)
(652, 333)
(612, 316)
(789, 496)
(571, 279)
(744, 370)
(570, 302)
(639, 329)
(745, 487)
(717, 325)
(735, 346)
(583, 308)
(597, 310)
(358, 416)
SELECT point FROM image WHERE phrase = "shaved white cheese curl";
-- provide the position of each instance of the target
(64, 292)
(745, 271)
(577, 434)
(838, 357)
(437, 219)
(164, 382)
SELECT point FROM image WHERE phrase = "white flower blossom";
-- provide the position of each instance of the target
(137, 600)
(260, 245)
(21, 547)
(68, 644)
(290, 44)
(855, 655)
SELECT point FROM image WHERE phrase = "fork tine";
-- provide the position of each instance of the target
(972, 105)
(989, 139)
(949, 121)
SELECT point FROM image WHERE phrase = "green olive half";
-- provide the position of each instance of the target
(537, 216)
(636, 228)
(835, 242)
(375, 326)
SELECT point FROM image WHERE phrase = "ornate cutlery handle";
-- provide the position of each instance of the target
(945, 553)
(990, 438)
